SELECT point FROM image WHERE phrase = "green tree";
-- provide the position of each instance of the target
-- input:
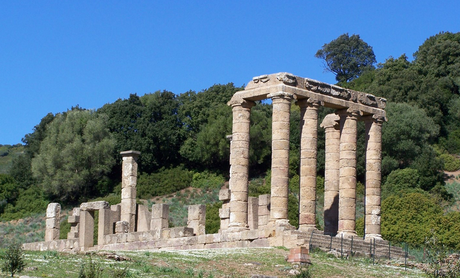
(347, 57)
(13, 259)
(76, 152)
(8, 191)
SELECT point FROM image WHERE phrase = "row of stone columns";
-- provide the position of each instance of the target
(340, 167)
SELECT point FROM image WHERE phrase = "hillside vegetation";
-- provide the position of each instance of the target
(73, 156)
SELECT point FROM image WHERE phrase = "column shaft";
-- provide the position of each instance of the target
(331, 173)
(280, 156)
(239, 162)
(128, 188)
(373, 178)
(347, 179)
(308, 155)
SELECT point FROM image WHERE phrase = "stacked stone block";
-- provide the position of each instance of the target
(128, 188)
(263, 211)
(74, 221)
(86, 231)
(197, 219)
(224, 212)
(160, 218)
(53, 217)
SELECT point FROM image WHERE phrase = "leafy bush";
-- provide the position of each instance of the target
(451, 163)
(13, 259)
(90, 269)
(163, 182)
(207, 180)
(399, 181)
(29, 202)
(409, 218)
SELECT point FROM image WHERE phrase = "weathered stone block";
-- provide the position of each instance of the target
(73, 219)
(52, 223)
(53, 210)
(224, 213)
(160, 211)
(128, 193)
(92, 206)
(121, 227)
(143, 218)
(224, 194)
(51, 234)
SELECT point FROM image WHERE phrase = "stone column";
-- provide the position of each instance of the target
(128, 188)
(53, 223)
(224, 212)
(239, 162)
(280, 157)
(308, 154)
(373, 178)
(347, 180)
(160, 218)
(86, 229)
(331, 173)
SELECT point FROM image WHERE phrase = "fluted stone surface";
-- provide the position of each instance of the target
(373, 178)
(280, 156)
(308, 154)
(239, 162)
(347, 179)
(331, 173)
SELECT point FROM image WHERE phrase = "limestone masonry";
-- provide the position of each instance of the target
(250, 221)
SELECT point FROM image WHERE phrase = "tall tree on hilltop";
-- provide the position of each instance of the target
(347, 57)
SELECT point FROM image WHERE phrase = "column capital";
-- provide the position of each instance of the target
(378, 119)
(309, 102)
(331, 120)
(283, 95)
(130, 153)
(350, 112)
(241, 102)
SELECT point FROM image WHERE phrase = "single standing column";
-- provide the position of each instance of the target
(347, 180)
(239, 162)
(373, 177)
(308, 154)
(331, 173)
(280, 157)
(128, 188)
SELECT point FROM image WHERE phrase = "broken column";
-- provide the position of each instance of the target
(347, 179)
(197, 219)
(128, 188)
(331, 173)
(373, 178)
(280, 157)
(308, 154)
(53, 217)
(239, 162)
(74, 221)
(224, 212)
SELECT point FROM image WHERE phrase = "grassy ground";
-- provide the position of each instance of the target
(206, 263)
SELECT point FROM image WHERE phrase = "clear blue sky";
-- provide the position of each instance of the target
(59, 54)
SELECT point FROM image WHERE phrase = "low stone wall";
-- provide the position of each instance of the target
(61, 245)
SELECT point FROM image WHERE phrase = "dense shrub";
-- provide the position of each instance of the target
(451, 163)
(207, 180)
(163, 182)
(212, 217)
(409, 218)
(400, 181)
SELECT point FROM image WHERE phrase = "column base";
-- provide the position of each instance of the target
(370, 237)
(307, 228)
(347, 234)
(236, 228)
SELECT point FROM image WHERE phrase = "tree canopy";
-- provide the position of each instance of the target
(347, 57)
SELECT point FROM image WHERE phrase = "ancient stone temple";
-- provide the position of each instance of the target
(341, 143)
(252, 221)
